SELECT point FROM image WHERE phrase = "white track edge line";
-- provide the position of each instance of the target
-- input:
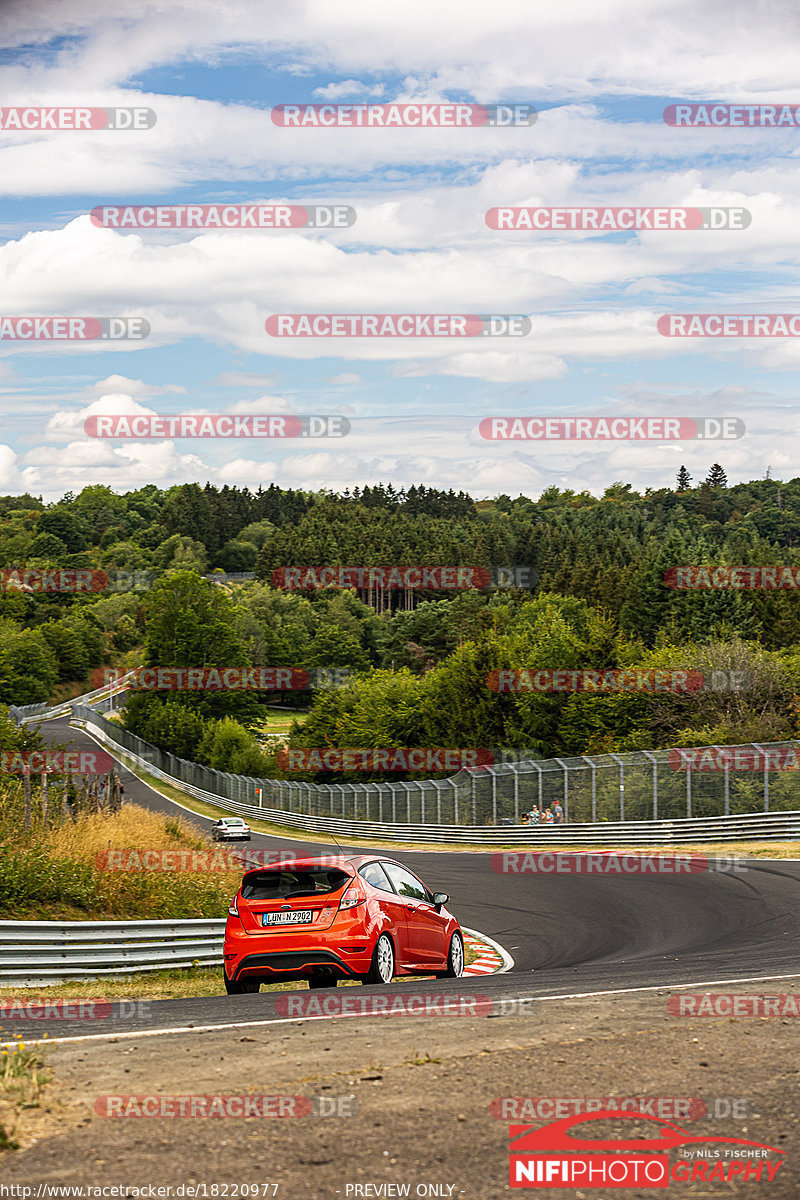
(129, 1035)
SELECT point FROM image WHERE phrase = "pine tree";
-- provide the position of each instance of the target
(717, 477)
(684, 480)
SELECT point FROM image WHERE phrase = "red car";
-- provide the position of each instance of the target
(324, 919)
(557, 1136)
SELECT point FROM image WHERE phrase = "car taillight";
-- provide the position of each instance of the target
(351, 900)
(233, 911)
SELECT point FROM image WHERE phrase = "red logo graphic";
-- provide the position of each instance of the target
(396, 325)
(75, 580)
(400, 1004)
(709, 116)
(722, 578)
(203, 1106)
(60, 762)
(392, 116)
(396, 758)
(612, 220)
(652, 680)
(550, 1156)
(599, 863)
(733, 758)
(729, 325)
(732, 1004)
(391, 578)
(215, 679)
(609, 429)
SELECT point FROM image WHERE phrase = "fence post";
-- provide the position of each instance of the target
(565, 769)
(455, 801)
(494, 795)
(516, 795)
(688, 789)
(438, 802)
(655, 782)
(474, 800)
(765, 756)
(621, 766)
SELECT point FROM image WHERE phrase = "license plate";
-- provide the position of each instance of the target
(300, 916)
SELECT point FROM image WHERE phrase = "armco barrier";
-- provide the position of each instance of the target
(45, 712)
(744, 827)
(631, 798)
(38, 953)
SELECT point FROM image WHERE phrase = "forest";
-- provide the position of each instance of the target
(188, 578)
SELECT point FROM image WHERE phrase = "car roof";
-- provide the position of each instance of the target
(324, 860)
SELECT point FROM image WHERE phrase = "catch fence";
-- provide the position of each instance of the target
(658, 785)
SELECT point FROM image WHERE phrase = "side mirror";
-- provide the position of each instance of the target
(440, 898)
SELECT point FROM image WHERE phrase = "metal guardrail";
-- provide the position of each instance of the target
(45, 712)
(632, 798)
(743, 827)
(38, 953)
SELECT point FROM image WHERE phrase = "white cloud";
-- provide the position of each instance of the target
(345, 379)
(353, 89)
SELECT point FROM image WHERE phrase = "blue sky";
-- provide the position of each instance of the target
(212, 72)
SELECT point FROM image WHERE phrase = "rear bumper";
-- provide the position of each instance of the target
(344, 947)
(295, 964)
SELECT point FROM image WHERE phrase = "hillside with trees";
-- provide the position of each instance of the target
(596, 597)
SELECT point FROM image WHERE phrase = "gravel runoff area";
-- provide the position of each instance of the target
(411, 1097)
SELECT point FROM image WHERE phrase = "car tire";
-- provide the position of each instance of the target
(322, 981)
(241, 987)
(455, 958)
(381, 970)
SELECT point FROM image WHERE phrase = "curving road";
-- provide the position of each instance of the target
(568, 934)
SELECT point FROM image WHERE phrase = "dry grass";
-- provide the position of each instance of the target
(21, 1081)
(94, 833)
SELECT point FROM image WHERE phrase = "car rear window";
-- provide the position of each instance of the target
(283, 885)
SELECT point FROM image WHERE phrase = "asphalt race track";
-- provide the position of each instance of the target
(568, 934)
